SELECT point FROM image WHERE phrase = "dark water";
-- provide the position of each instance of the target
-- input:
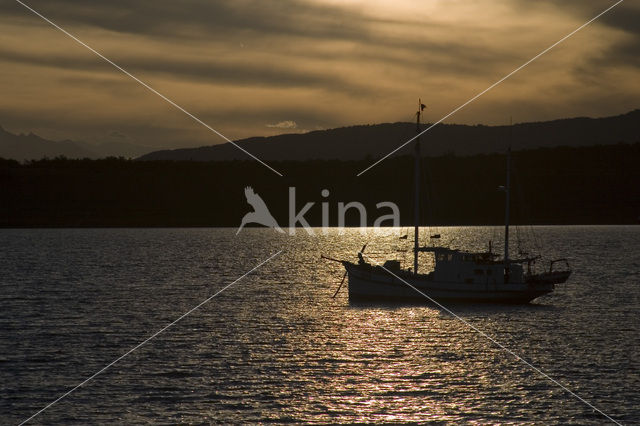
(276, 347)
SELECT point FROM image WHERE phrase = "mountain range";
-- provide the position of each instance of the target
(33, 147)
(360, 142)
(354, 142)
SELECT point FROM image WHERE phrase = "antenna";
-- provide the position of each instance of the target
(416, 189)
(506, 207)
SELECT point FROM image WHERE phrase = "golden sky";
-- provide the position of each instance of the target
(259, 67)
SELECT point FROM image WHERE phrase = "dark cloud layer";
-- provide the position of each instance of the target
(200, 18)
(246, 63)
(272, 75)
(624, 17)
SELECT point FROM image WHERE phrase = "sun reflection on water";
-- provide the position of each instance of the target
(277, 347)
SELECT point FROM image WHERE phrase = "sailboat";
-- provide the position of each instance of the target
(457, 275)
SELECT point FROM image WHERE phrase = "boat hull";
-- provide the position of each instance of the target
(375, 283)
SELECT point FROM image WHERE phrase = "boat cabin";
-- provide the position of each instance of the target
(481, 268)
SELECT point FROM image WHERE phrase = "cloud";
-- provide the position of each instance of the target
(288, 124)
(116, 134)
(193, 19)
(239, 64)
(623, 49)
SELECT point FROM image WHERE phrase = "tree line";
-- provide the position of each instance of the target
(561, 185)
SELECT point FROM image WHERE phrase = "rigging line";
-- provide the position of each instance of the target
(151, 89)
(520, 207)
(428, 199)
(497, 343)
(524, 207)
(521, 248)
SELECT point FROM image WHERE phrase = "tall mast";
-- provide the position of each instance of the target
(506, 210)
(416, 193)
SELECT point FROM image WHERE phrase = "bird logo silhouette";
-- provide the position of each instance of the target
(260, 213)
